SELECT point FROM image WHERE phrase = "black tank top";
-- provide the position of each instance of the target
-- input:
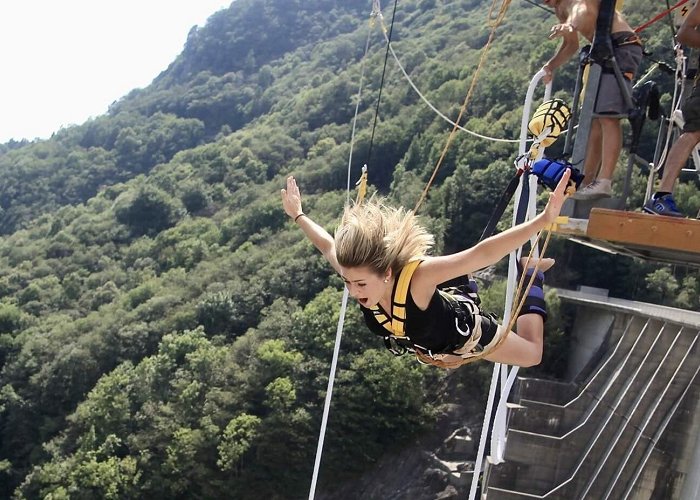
(436, 329)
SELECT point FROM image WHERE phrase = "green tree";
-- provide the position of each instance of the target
(10, 318)
(237, 439)
(147, 211)
(661, 284)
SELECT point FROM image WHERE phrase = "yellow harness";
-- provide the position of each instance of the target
(396, 325)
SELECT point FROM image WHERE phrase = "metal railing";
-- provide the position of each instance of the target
(620, 396)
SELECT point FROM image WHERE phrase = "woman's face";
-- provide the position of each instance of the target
(366, 286)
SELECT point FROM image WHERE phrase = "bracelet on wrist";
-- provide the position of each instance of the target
(300, 215)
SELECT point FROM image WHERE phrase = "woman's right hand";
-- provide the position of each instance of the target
(446, 361)
(291, 198)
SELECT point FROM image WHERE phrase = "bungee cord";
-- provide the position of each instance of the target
(375, 5)
(344, 302)
(358, 99)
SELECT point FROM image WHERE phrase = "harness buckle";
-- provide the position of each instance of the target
(395, 347)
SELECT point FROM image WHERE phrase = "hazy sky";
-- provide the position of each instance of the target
(62, 62)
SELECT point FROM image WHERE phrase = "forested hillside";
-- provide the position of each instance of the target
(166, 332)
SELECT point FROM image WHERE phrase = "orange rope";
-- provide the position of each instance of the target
(495, 23)
(659, 16)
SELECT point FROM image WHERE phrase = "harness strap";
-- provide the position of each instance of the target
(398, 347)
(631, 39)
(398, 302)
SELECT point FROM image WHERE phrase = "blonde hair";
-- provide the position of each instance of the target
(380, 237)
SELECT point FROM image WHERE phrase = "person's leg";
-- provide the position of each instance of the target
(610, 107)
(591, 163)
(662, 202)
(611, 130)
(677, 157)
(609, 148)
(525, 347)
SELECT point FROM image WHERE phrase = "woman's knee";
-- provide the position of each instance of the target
(534, 358)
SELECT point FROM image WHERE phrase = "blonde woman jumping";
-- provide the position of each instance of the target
(382, 255)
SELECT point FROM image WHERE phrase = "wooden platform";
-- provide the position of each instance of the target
(650, 237)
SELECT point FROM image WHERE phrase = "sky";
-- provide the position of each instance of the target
(63, 62)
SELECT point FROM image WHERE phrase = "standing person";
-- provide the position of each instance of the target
(605, 141)
(662, 202)
(379, 251)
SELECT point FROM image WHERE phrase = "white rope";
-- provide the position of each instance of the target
(484, 432)
(329, 394)
(507, 377)
(344, 302)
(675, 103)
(425, 100)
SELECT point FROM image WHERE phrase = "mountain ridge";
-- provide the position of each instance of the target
(165, 331)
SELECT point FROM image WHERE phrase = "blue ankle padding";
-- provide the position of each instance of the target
(534, 301)
(549, 172)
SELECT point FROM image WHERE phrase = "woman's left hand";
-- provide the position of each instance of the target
(557, 198)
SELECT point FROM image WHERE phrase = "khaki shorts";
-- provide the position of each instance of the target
(610, 101)
(691, 110)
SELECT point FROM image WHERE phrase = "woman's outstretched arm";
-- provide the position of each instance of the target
(321, 239)
(436, 270)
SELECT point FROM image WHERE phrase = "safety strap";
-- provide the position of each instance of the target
(550, 119)
(398, 302)
(500, 207)
(632, 39)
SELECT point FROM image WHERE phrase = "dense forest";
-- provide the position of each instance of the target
(166, 331)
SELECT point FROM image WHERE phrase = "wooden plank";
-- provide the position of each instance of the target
(653, 254)
(570, 226)
(645, 230)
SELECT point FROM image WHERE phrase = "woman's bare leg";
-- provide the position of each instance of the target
(525, 347)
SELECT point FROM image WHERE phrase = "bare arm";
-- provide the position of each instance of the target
(568, 47)
(688, 34)
(291, 201)
(579, 18)
(437, 270)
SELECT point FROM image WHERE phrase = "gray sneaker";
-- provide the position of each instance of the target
(599, 188)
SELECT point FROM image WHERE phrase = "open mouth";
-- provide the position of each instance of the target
(363, 301)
